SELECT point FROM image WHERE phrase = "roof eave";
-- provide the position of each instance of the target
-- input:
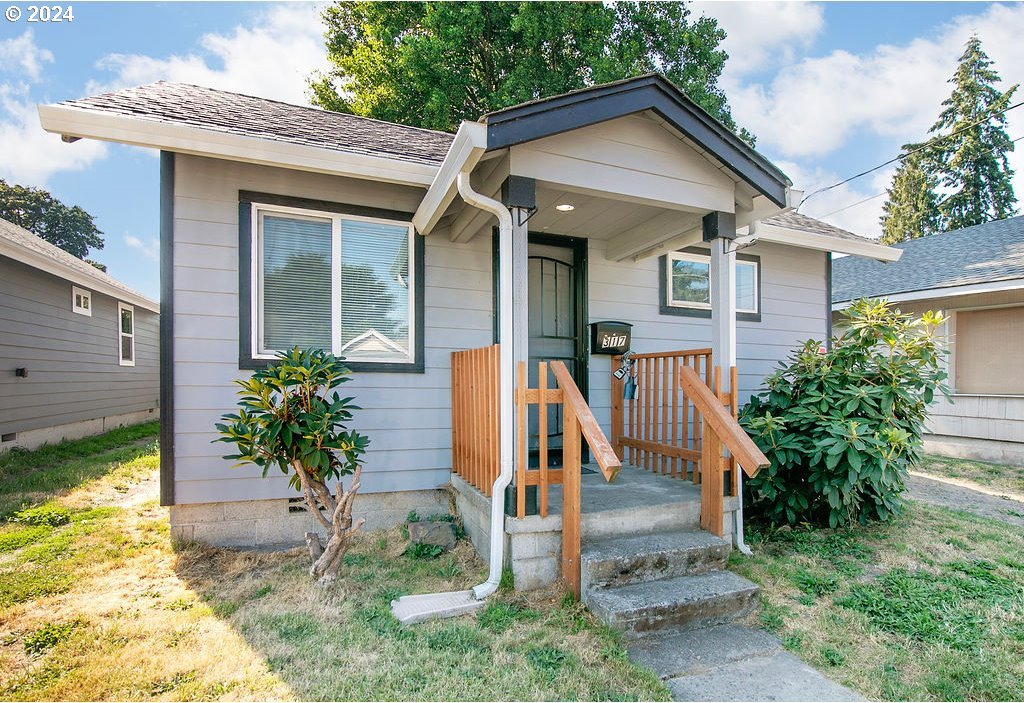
(71, 121)
(824, 242)
(465, 152)
(940, 292)
(69, 273)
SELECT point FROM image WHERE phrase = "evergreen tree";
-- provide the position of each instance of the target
(911, 210)
(971, 162)
(433, 64)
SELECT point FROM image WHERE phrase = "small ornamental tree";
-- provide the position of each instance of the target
(841, 427)
(292, 417)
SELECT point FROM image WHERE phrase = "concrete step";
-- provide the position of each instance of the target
(682, 602)
(600, 518)
(615, 561)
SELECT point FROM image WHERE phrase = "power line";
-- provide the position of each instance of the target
(900, 157)
(877, 195)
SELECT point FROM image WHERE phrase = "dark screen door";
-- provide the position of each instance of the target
(554, 333)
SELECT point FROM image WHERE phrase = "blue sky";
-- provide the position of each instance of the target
(829, 88)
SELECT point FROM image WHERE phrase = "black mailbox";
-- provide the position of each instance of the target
(609, 337)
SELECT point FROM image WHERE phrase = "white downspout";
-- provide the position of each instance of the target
(506, 419)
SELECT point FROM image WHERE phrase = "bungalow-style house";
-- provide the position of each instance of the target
(459, 274)
(975, 276)
(78, 349)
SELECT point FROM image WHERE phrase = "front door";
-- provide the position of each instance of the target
(557, 325)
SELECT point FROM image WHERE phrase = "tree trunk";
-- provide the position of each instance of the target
(328, 559)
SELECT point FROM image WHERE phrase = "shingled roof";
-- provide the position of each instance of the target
(794, 220)
(248, 116)
(985, 253)
(26, 247)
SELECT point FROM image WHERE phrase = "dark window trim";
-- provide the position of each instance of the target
(246, 198)
(166, 328)
(665, 309)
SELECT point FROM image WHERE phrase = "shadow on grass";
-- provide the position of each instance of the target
(342, 642)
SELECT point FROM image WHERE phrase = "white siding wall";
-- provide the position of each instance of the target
(793, 309)
(405, 414)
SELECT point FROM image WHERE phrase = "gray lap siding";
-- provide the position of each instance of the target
(72, 359)
(407, 415)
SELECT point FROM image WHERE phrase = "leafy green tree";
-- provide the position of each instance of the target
(291, 417)
(434, 64)
(972, 161)
(842, 427)
(911, 210)
(70, 228)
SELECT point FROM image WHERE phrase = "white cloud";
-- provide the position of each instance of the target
(763, 34)
(21, 54)
(270, 58)
(814, 106)
(150, 248)
(28, 155)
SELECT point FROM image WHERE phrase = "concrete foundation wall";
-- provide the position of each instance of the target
(261, 523)
(533, 544)
(32, 439)
(992, 450)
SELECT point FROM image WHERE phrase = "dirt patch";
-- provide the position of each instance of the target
(961, 495)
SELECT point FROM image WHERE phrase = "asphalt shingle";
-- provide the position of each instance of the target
(984, 253)
(245, 115)
(794, 220)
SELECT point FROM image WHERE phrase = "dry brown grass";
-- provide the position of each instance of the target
(118, 612)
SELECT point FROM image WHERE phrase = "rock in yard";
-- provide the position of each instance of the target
(441, 534)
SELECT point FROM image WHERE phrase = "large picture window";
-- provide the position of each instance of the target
(333, 281)
(686, 284)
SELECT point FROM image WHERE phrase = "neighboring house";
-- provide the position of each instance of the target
(285, 225)
(78, 349)
(976, 277)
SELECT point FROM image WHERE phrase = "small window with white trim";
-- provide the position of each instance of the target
(332, 281)
(688, 282)
(126, 334)
(81, 301)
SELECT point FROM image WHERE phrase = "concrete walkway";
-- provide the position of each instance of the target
(962, 495)
(733, 663)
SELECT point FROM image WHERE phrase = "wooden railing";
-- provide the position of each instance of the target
(577, 422)
(475, 417)
(680, 421)
(660, 428)
(720, 429)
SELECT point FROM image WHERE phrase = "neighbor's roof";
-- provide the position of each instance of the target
(21, 245)
(248, 116)
(794, 220)
(984, 253)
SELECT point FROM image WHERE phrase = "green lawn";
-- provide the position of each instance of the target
(995, 476)
(97, 603)
(928, 607)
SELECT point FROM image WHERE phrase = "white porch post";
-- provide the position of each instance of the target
(723, 305)
(720, 230)
(520, 292)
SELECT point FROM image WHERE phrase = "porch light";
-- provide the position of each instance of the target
(565, 207)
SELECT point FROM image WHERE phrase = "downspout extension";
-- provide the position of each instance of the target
(737, 528)
(506, 421)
